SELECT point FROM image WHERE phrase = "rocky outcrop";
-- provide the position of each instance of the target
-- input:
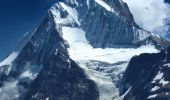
(146, 78)
(62, 79)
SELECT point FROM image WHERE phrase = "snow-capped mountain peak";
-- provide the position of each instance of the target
(79, 52)
(100, 23)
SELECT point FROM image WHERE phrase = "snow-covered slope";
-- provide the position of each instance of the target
(87, 55)
(90, 59)
(93, 59)
(77, 53)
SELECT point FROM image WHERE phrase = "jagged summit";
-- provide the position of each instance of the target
(72, 56)
(106, 23)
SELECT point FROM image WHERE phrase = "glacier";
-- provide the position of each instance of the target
(91, 40)
(89, 57)
(84, 54)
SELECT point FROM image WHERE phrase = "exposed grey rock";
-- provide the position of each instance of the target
(115, 28)
(43, 69)
(147, 78)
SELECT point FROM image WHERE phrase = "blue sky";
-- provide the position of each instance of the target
(167, 1)
(18, 17)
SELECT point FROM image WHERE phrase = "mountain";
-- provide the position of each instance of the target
(81, 51)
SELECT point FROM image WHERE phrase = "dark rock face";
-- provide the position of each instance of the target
(136, 68)
(168, 55)
(123, 10)
(104, 28)
(61, 79)
(147, 78)
(52, 74)
(43, 69)
(41, 45)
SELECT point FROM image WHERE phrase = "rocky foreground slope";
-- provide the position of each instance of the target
(147, 77)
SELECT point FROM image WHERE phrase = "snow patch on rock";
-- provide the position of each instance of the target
(9, 59)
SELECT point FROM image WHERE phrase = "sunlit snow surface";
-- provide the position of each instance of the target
(9, 59)
(80, 49)
(101, 65)
(152, 96)
(8, 62)
(104, 4)
(159, 77)
(90, 59)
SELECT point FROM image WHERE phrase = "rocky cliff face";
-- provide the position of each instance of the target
(44, 60)
(146, 77)
(106, 23)
(70, 56)
(62, 79)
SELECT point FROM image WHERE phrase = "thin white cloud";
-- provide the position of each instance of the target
(150, 14)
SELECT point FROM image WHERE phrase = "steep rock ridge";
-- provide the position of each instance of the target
(42, 44)
(69, 50)
(29, 61)
(61, 79)
(106, 23)
(147, 77)
(122, 9)
(45, 55)
(103, 66)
